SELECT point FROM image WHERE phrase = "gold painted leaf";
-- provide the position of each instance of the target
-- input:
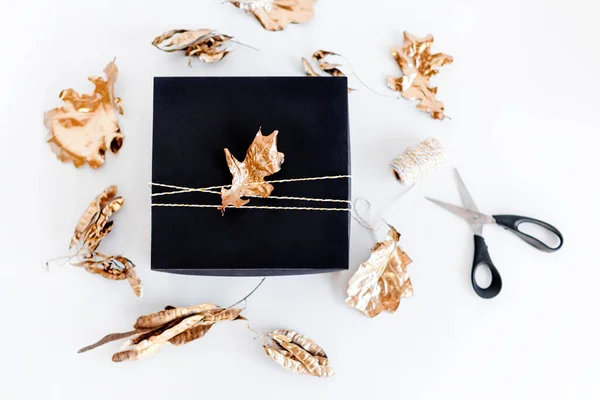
(308, 69)
(101, 226)
(418, 65)
(381, 281)
(326, 64)
(262, 159)
(275, 15)
(91, 214)
(111, 338)
(166, 316)
(297, 353)
(205, 44)
(86, 126)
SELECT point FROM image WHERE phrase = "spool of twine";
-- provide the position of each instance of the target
(414, 164)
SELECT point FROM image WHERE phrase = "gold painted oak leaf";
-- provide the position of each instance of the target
(418, 65)
(297, 353)
(326, 64)
(262, 159)
(205, 44)
(381, 281)
(275, 15)
(86, 126)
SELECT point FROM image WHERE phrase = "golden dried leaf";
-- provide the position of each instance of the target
(191, 334)
(418, 65)
(381, 281)
(274, 15)
(206, 44)
(86, 126)
(330, 68)
(262, 159)
(91, 214)
(308, 69)
(101, 226)
(297, 353)
(111, 338)
(165, 316)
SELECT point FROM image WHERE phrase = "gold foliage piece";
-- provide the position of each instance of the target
(86, 126)
(297, 353)
(418, 65)
(93, 226)
(262, 159)
(326, 64)
(176, 326)
(205, 44)
(275, 15)
(381, 281)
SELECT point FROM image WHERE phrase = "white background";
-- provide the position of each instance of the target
(523, 97)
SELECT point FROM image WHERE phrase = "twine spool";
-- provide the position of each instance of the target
(414, 164)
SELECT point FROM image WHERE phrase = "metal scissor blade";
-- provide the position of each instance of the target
(474, 218)
(464, 194)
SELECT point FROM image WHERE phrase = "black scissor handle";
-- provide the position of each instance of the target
(512, 222)
(482, 257)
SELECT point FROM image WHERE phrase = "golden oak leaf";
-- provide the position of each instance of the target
(381, 281)
(275, 15)
(262, 159)
(418, 65)
(86, 126)
(206, 44)
(297, 353)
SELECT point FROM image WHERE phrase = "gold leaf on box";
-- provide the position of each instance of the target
(86, 126)
(382, 280)
(262, 159)
(418, 66)
(297, 353)
(275, 15)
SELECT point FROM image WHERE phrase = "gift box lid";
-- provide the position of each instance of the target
(195, 119)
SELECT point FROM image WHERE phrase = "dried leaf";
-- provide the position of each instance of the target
(86, 126)
(206, 44)
(297, 353)
(135, 282)
(91, 214)
(165, 316)
(191, 334)
(330, 68)
(262, 159)
(308, 69)
(111, 338)
(381, 281)
(418, 65)
(275, 15)
(101, 227)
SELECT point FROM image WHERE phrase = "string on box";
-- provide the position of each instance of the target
(211, 189)
(262, 159)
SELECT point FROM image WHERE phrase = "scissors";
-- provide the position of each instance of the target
(477, 220)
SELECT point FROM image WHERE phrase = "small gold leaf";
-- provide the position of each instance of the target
(381, 281)
(166, 316)
(205, 44)
(262, 159)
(275, 15)
(91, 214)
(418, 65)
(308, 69)
(86, 126)
(297, 353)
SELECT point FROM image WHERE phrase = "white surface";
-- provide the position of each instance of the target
(523, 97)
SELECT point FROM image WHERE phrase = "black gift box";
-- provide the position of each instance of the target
(195, 119)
